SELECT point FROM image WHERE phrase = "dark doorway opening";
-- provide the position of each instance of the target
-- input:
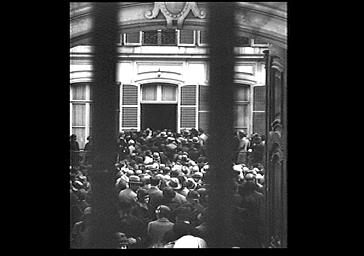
(159, 116)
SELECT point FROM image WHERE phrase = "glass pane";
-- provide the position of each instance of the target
(242, 93)
(149, 92)
(241, 115)
(186, 36)
(242, 41)
(79, 92)
(203, 37)
(169, 37)
(78, 114)
(80, 133)
(150, 37)
(168, 92)
(132, 37)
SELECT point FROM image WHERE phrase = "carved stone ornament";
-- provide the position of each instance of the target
(175, 11)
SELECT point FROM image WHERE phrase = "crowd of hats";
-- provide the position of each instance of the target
(177, 160)
(166, 156)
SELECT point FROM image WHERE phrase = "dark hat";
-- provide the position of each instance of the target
(169, 193)
(193, 195)
(191, 184)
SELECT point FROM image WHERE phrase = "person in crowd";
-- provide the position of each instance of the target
(155, 196)
(129, 194)
(182, 227)
(74, 151)
(140, 209)
(131, 225)
(162, 184)
(81, 230)
(254, 215)
(157, 228)
(243, 148)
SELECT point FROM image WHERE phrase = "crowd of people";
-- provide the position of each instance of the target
(162, 187)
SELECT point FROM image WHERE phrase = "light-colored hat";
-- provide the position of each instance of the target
(133, 179)
(174, 183)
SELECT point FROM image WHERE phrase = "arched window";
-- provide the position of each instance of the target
(80, 112)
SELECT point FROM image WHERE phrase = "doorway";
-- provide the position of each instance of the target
(159, 116)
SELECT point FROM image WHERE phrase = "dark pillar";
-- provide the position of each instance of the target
(220, 99)
(104, 200)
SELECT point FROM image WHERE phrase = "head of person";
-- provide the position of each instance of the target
(169, 193)
(142, 195)
(134, 182)
(193, 196)
(163, 211)
(154, 181)
(73, 137)
(174, 183)
(249, 178)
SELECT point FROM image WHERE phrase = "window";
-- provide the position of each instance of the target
(160, 37)
(241, 107)
(80, 104)
(159, 93)
(150, 37)
(186, 37)
(168, 93)
(242, 41)
(149, 92)
(202, 38)
(259, 109)
(168, 37)
(133, 38)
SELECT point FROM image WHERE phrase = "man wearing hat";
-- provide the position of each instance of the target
(157, 228)
(129, 194)
(155, 195)
(176, 186)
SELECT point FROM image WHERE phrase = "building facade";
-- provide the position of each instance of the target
(163, 68)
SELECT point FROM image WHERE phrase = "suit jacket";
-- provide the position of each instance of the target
(155, 199)
(157, 229)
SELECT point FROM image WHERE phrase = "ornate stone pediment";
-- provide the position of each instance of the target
(175, 12)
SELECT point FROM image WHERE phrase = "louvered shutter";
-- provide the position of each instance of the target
(203, 108)
(130, 107)
(188, 107)
(203, 37)
(259, 109)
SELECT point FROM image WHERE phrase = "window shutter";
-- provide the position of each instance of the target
(203, 121)
(188, 95)
(259, 109)
(130, 107)
(203, 98)
(203, 37)
(259, 122)
(259, 98)
(130, 95)
(130, 117)
(188, 106)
